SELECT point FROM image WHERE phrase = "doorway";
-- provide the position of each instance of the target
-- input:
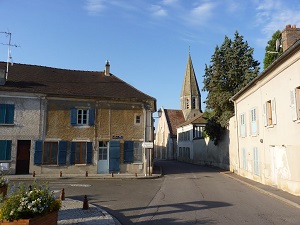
(103, 157)
(23, 157)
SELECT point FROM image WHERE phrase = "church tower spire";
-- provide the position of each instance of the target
(190, 98)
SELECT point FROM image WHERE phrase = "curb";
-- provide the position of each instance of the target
(286, 201)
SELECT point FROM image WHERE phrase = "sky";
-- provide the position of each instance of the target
(147, 42)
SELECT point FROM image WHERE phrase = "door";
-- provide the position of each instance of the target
(23, 157)
(114, 156)
(103, 157)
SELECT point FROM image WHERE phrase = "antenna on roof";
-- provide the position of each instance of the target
(277, 47)
(9, 58)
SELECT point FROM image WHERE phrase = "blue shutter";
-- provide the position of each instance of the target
(91, 117)
(2, 113)
(73, 116)
(128, 151)
(89, 152)
(72, 155)
(62, 152)
(114, 156)
(38, 152)
(3, 144)
(8, 150)
(10, 113)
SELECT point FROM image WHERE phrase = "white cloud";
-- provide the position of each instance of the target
(94, 7)
(169, 2)
(273, 15)
(158, 11)
(201, 13)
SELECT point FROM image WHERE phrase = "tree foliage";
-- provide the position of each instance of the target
(232, 68)
(270, 56)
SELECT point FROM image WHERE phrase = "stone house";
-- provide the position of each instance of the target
(54, 120)
(264, 133)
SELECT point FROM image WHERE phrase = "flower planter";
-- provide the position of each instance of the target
(48, 219)
(3, 190)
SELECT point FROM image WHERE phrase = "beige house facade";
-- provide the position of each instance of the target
(264, 144)
(56, 120)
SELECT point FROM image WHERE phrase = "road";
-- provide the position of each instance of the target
(186, 194)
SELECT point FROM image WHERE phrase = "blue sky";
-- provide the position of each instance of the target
(146, 41)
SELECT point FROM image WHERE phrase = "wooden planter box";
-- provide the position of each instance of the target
(48, 219)
(3, 190)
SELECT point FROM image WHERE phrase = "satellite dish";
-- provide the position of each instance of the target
(277, 45)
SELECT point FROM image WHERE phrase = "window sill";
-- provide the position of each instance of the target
(81, 164)
(137, 163)
(7, 124)
(270, 126)
(51, 165)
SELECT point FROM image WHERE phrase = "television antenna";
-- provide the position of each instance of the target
(9, 58)
(277, 47)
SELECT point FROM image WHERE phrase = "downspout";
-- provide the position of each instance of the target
(145, 135)
(237, 135)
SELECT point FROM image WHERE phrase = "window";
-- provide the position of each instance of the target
(50, 153)
(5, 149)
(198, 132)
(255, 161)
(253, 124)
(270, 113)
(243, 125)
(138, 152)
(82, 117)
(103, 150)
(81, 153)
(7, 113)
(187, 103)
(193, 103)
(244, 156)
(137, 119)
(128, 151)
(295, 103)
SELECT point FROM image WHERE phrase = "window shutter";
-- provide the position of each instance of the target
(89, 152)
(128, 151)
(2, 113)
(62, 152)
(73, 116)
(91, 117)
(274, 118)
(10, 113)
(38, 152)
(72, 155)
(255, 160)
(8, 150)
(253, 122)
(293, 104)
(265, 114)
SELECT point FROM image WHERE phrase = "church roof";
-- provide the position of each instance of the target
(190, 85)
(198, 119)
(174, 118)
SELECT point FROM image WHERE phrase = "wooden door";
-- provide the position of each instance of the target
(23, 157)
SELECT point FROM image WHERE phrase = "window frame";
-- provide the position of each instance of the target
(103, 146)
(243, 125)
(254, 122)
(137, 152)
(295, 103)
(8, 111)
(270, 113)
(82, 117)
(82, 152)
(51, 148)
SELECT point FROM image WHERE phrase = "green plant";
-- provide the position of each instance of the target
(24, 202)
(3, 181)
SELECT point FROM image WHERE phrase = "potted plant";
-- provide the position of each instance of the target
(3, 185)
(33, 205)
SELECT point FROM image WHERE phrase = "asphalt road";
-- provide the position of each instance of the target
(186, 194)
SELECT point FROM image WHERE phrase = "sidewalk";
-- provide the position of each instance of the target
(283, 196)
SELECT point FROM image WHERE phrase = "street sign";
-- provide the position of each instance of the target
(147, 144)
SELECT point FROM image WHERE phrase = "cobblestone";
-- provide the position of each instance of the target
(71, 212)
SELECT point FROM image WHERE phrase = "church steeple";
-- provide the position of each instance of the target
(190, 98)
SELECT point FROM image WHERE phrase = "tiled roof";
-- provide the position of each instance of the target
(195, 120)
(174, 118)
(68, 83)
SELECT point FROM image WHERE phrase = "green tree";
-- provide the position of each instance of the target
(232, 68)
(270, 55)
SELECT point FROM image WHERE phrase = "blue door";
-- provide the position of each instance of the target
(114, 156)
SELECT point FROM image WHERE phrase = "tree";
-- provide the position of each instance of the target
(232, 68)
(270, 55)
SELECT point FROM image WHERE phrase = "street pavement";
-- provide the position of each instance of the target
(72, 210)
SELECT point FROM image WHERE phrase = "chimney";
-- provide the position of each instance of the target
(107, 69)
(290, 35)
